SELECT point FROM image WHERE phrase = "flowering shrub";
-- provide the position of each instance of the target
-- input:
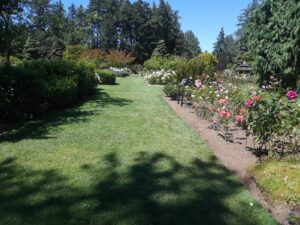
(273, 119)
(159, 77)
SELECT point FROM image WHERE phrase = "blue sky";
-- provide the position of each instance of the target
(204, 17)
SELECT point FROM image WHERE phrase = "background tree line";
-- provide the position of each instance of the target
(42, 29)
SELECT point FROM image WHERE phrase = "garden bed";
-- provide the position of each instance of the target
(234, 156)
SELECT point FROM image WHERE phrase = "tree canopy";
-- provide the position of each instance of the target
(109, 25)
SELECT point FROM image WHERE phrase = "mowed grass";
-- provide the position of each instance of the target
(280, 180)
(122, 158)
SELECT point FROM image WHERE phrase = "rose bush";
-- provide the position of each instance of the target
(272, 118)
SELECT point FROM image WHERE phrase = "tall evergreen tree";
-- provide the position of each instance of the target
(244, 54)
(31, 49)
(145, 40)
(10, 21)
(192, 44)
(231, 48)
(220, 51)
(104, 17)
(166, 23)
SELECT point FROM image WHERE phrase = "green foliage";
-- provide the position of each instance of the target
(57, 49)
(273, 36)
(193, 69)
(171, 90)
(201, 67)
(73, 52)
(170, 63)
(38, 86)
(222, 50)
(192, 44)
(134, 28)
(107, 77)
(160, 50)
(273, 121)
(209, 62)
(31, 49)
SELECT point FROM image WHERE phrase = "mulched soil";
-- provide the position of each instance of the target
(236, 155)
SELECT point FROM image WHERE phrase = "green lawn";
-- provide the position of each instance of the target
(280, 180)
(123, 158)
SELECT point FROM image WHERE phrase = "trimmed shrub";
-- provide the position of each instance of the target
(22, 94)
(39, 86)
(107, 76)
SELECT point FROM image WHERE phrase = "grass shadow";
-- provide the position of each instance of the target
(43, 128)
(155, 189)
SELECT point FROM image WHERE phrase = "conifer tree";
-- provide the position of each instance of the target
(192, 44)
(220, 51)
(31, 49)
(160, 50)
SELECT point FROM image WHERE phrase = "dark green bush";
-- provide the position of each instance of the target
(39, 86)
(107, 76)
(193, 69)
(124, 74)
(136, 68)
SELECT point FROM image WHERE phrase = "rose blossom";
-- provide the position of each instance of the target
(223, 101)
(228, 115)
(198, 83)
(239, 118)
(291, 95)
(223, 113)
(249, 103)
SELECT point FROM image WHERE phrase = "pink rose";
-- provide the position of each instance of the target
(240, 118)
(222, 113)
(223, 101)
(198, 83)
(249, 103)
(228, 115)
(291, 95)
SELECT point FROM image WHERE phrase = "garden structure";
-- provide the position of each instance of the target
(244, 68)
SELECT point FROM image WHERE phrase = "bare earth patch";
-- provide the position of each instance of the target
(232, 155)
